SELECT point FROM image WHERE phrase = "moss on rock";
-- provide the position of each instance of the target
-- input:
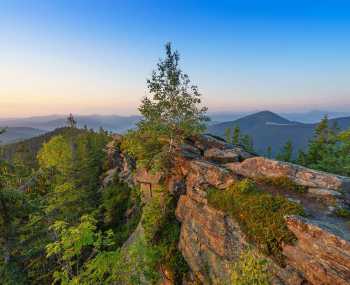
(261, 215)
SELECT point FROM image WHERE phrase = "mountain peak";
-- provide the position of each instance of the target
(264, 117)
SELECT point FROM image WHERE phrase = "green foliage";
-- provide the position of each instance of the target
(260, 214)
(70, 245)
(56, 154)
(329, 150)
(250, 269)
(237, 138)
(282, 182)
(286, 153)
(117, 199)
(171, 113)
(344, 213)
(154, 217)
(162, 231)
(134, 266)
(228, 136)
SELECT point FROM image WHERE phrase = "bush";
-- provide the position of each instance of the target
(260, 215)
(281, 182)
(344, 213)
(250, 269)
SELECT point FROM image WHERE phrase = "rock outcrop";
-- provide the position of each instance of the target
(321, 254)
(262, 167)
(211, 240)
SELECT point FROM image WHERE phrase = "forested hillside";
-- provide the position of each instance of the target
(26, 151)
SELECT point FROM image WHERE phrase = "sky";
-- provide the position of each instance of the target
(94, 56)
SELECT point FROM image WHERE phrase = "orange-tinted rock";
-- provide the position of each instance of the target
(209, 239)
(144, 176)
(259, 166)
(202, 172)
(322, 256)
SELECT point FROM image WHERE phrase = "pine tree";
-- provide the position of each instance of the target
(286, 153)
(236, 139)
(228, 135)
(247, 142)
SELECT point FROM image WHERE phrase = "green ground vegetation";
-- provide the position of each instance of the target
(260, 215)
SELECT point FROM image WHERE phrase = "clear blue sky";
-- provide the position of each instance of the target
(93, 56)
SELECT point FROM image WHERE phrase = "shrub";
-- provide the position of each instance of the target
(260, 215)
(250, 269)
(281, 182)
(344, 213)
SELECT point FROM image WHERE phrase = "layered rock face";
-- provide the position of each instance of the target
(211, 240)
(322, 256)
(260, 166)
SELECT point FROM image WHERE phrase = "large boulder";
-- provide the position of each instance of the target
(202, 172)
(262, 167)
(213, 144)
(235, 154)
(320, 253)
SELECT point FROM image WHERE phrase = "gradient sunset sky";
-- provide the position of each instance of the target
(93, 56)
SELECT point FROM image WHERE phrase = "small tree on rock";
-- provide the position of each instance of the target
(170, 113)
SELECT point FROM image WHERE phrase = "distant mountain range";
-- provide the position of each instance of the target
(269, 129)
(266, 128)
(14, 134)
(48, 123)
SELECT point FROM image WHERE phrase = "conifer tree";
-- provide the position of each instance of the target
(228, 136)
(286, 153)
(236, 135)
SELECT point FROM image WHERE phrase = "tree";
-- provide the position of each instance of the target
(247, 142)
(236, 135)
(323, 148)
(56, 154)
(76, 245)
(13, 210)
(71, 122)
(170, 113)
(269, 152)
(228, 135)
(286, 153)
